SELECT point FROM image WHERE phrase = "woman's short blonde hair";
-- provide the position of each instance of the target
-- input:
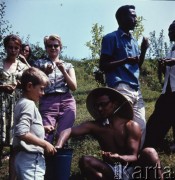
(52, 37)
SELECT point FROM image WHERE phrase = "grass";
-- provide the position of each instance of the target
(87, 145)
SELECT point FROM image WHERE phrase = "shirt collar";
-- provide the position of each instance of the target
(122, 33)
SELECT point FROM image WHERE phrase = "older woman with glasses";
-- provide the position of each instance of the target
(11, 70)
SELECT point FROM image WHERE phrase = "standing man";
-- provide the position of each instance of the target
(121, 60)
(163, 117)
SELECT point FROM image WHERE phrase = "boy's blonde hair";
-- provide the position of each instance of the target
(35, 76)
(52, 37)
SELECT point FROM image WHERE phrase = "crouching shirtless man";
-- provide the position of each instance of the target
(119, 139)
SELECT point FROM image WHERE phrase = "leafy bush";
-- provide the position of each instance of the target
(149, 75)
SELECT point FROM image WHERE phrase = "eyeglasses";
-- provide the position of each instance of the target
(11, 47)
(101, 104)
(53, 45)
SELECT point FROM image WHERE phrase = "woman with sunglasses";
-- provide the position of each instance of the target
(57, 106)
(11, 69)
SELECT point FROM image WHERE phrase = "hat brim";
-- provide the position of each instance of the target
(126, 110)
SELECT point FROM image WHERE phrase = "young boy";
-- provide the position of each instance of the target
(28, 128)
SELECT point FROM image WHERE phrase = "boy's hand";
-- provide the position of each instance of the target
(49, 148)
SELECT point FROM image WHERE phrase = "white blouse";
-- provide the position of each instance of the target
(170, 73)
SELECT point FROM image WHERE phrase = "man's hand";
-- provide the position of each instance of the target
(144, 44)
(169, 62)
(132, 60)
(110, 157)
(166, 62)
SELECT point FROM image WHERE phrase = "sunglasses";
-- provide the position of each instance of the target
(53, 45)
(101, 104)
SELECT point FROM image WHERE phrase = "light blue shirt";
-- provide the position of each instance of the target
(119, 45)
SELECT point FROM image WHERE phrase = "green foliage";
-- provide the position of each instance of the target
(139, 29)
(37, 51)
(95, 47)
(4, 27)
(95, 44)
(148, 71)
(158, 47)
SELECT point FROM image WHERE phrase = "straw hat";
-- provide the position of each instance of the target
(125, 108)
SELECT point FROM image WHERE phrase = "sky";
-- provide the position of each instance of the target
(72, 20)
